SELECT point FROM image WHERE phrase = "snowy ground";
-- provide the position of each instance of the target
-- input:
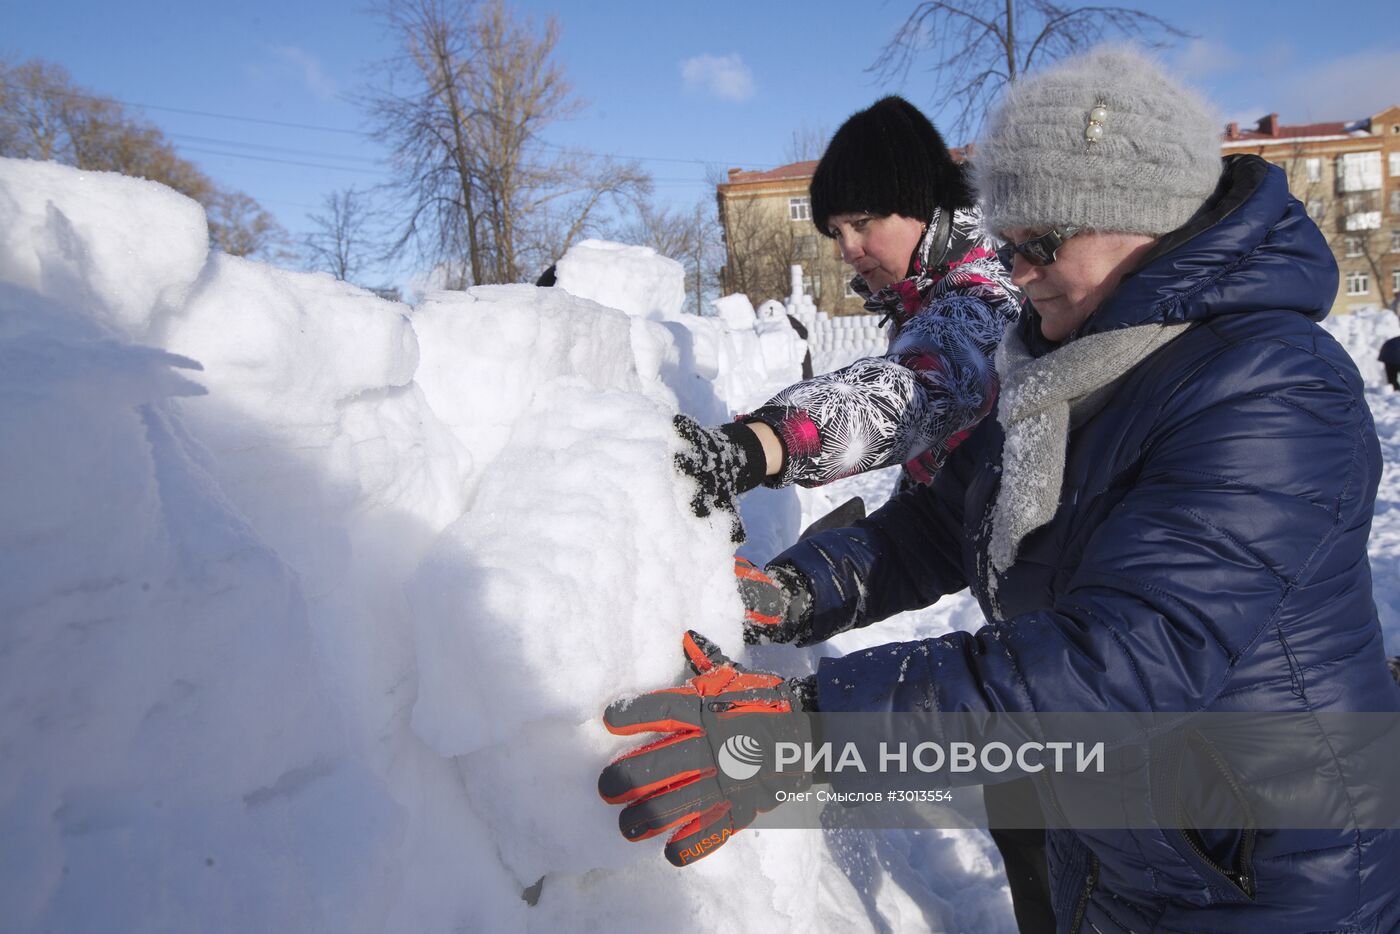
(310, 601)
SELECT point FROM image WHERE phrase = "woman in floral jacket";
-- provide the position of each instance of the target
(903, 214)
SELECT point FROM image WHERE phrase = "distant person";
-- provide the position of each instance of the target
(801, 330)
(1390, 356)
(772, 310)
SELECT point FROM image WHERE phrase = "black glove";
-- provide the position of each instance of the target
(715, 768)
(777, 603)
(723, 462)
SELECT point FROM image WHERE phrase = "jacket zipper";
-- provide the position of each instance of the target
(1090, 880)
(1240, 876)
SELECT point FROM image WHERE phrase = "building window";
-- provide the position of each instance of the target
(1361, 202)
(1395, 201)
(1395, 241)
(1316, 209)
(1358, 283)
(1354, 247)
(800, 209)
(1314, 170)
(1395, 165)
(1395, 282)
(1362, 210)
(1359, 171)
(812, 285)
(805, 247)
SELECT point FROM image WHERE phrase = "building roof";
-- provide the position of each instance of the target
(1267, 130)
(781, 173)
(797, 170)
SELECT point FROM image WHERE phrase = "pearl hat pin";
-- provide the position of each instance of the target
(1093, 133)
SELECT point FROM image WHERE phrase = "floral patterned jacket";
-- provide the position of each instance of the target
(916, 403)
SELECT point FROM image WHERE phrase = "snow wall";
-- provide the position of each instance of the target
(310, 601)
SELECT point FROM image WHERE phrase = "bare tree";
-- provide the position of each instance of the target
(423, 114)
(43, 115)
(763, 240)
(974, 48)
(690, 237)
(1349, 220)
(806, 142)
(759, 250)
(343, 241)
(569, 205)
(761, 247)
(1363, 245)
(1374, 245)
(240, 227)
(462, 108)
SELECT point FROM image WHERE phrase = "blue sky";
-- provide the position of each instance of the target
(681, 84)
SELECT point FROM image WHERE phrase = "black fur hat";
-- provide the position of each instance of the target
(887, 159)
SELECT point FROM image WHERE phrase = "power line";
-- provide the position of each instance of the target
(364, 135)
(267, 148)
(379, 170)
(587, 152)
(281, 123)
(309, 165)
(292, 204)
(183, 110)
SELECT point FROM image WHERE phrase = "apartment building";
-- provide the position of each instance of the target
(1346, 173)
(766, 218)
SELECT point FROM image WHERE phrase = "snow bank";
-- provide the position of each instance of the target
(735, 312)
(311, 600)
(710, 368)
(715, 366)
(1362, 335)
(116, 251)
(171, 755)
(778, 342)
(633, 279)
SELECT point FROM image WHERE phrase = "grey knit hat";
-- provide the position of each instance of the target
(1107, 141)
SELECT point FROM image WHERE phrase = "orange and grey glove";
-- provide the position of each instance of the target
(777, 603)
(714, 769)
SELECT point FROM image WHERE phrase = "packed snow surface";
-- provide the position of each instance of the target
(310, 601)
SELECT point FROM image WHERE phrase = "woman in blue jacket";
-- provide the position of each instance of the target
(1167, 515)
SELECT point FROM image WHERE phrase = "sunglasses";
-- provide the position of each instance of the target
(1041, 250)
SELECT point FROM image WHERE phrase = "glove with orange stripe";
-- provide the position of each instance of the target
(777, 602)
(714, 769)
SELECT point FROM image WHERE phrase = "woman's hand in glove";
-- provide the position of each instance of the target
(714, 768)
(724, 462)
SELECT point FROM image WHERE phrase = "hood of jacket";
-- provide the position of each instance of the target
(1251, 246)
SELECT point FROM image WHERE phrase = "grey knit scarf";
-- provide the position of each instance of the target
(1041, 398)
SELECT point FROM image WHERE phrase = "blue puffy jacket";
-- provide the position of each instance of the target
(1208, 554)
